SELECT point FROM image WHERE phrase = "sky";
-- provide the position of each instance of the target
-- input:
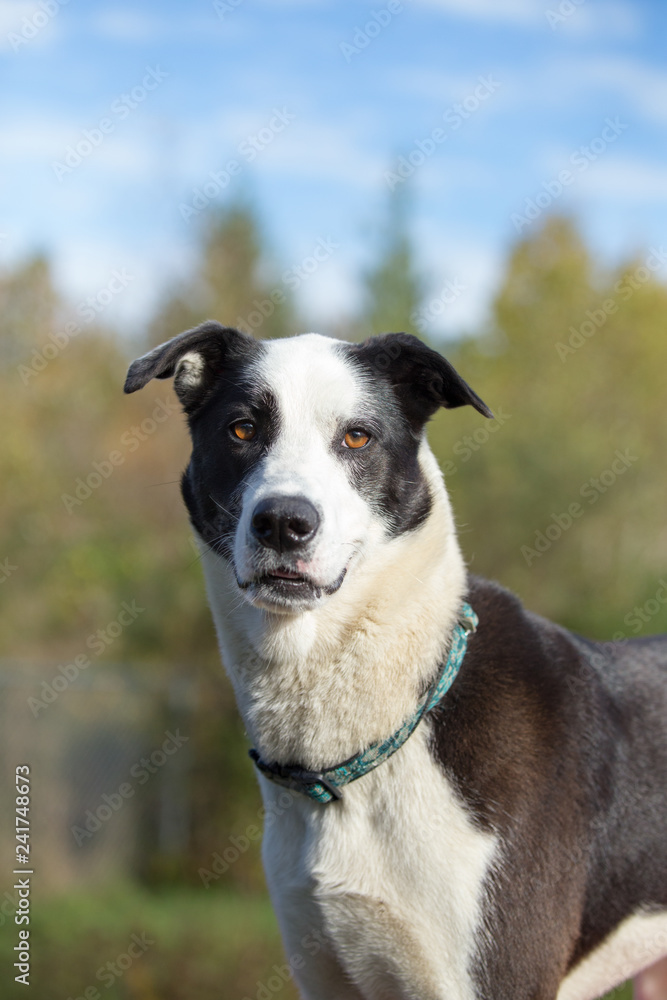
(122, 126)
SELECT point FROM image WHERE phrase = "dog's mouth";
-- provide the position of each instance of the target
(287, 588)
(286, 574)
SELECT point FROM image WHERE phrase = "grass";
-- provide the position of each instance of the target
(186, 944)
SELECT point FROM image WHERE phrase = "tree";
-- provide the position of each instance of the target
(29, 306)
(234, 282)
(558, 497)
(393, 288)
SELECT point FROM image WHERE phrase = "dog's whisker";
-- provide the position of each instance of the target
(234, 608)
(217, 503)
(214, 545)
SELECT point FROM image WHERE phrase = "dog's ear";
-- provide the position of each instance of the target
(422, 379)
(195, 359)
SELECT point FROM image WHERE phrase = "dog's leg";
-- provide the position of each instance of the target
(320, 975)
(315, 967)
(651, 984)
(326, 980)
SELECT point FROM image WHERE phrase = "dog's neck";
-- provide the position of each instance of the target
(316, 687)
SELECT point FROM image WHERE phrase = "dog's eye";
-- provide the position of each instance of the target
(356, 438)
(245, 430)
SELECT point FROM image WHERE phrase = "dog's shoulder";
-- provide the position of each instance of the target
(514, 644)
(541, 736)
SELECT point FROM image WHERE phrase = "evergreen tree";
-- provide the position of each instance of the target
(393, 288)
(234, 282)
(573, 366)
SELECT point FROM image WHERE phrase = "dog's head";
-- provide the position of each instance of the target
(305, 451)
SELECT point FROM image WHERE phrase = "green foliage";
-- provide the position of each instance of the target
(188, 944)
(235, 282)
(564, 413)
(394, 289)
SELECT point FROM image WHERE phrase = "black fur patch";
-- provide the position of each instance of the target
(387, 473)
(564, 755)
(213, 482)
(421, 379)
(406, 383)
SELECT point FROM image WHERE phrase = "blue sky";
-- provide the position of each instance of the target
(334, 93)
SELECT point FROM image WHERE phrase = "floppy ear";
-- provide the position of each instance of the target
(195, 358)
(422, 379)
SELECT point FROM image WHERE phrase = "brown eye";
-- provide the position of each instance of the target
(356, 439)
(244, 430)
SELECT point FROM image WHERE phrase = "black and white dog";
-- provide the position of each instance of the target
(515, 846)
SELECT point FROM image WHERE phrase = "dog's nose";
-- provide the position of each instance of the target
(285, 523)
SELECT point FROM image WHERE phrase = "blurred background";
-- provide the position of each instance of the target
(487, 174)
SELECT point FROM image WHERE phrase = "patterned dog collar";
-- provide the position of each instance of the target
(325, 786)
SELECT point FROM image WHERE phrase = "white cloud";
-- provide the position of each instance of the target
(36, 139)
(24, 24)
(627, 180)
(330, 294)
(521, 12)
(324, 152)
(12, 13)
(643, 85)
(85, 265)
(612, 19)
(125, 24)
(437, 85)
(35, 143)
(605, 18)
(465, 275)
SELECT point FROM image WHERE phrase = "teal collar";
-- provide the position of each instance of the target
(324, 786)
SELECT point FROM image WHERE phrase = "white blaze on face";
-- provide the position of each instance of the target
(316, 393)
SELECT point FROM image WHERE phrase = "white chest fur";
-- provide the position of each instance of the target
(391, 877)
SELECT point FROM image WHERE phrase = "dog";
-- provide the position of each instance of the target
(464, 801)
